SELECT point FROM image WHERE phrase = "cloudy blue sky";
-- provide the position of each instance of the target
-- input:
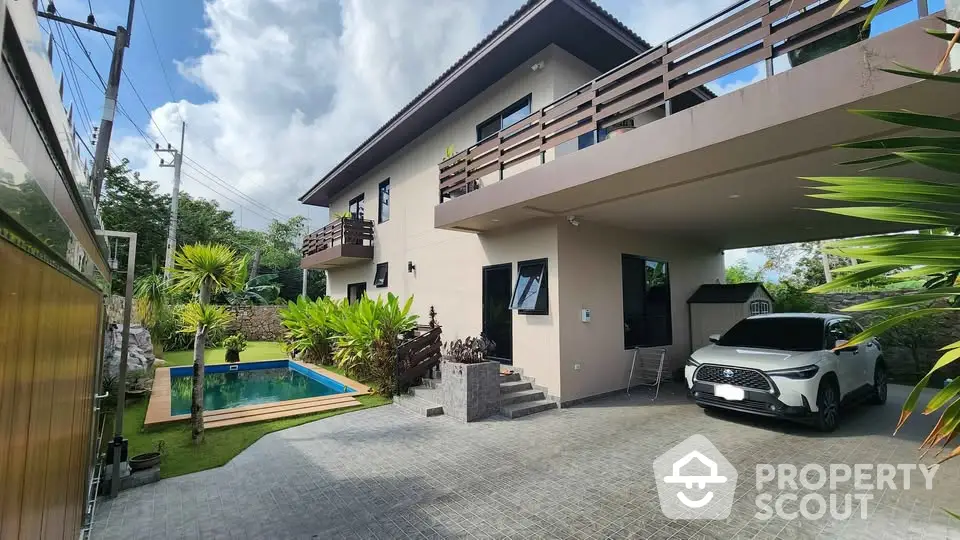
(275, 92)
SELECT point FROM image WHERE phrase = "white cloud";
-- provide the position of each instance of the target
(739, 80)
(297, 84)
(659, 20)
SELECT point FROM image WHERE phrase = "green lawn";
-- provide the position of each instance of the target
(221, 444)
(256, 350)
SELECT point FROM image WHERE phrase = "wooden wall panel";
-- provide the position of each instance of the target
(49, 335)
(10, 301)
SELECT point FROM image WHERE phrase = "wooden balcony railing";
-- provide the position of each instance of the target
(744, 34)
(341, 231)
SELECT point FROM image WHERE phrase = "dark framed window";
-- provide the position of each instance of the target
(646, 302)
(505, 118)
(355, 291)
(380, 279)
(759, 307)
(355, 207)
(383, 201)
(530, 294)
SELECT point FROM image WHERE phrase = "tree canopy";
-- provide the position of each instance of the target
(131, 203)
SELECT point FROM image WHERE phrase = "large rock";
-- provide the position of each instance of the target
(140, 355)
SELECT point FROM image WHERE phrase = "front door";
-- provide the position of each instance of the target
(497, 317)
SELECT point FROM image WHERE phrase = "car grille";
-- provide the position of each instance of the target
(746, 378)
(747, 404)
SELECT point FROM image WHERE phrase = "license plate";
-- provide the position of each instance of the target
(729, 392)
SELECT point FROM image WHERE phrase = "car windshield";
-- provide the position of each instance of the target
(784, 333)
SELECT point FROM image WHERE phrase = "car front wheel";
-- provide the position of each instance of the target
(879, 396)
(828, 406)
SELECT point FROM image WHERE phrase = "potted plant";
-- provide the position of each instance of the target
(148, 460)
(234, 344)
(830, 42)
(471, 384)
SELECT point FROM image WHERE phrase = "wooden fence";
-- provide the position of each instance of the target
(416, 357)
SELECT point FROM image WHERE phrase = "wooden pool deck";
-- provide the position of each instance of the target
(159, 407)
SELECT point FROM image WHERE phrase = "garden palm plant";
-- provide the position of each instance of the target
(932, 252)
(200, 319)
(203, 269)
(150, 298)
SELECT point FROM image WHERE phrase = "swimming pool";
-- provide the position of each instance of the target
(236, 385)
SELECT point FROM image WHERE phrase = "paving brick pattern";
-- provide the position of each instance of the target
(584, 472)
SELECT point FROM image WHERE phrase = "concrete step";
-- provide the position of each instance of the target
(430, 383)
(509, 377)
(527, 408)
(418, 405)
(425, 392)
(514, 386)
(521, 396)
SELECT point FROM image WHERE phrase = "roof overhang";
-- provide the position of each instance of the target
(578, 26)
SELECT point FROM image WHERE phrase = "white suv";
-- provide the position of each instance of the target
(791, 365)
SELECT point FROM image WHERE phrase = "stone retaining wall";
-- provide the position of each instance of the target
(257, 323)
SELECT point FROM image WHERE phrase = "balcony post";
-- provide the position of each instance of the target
(922, 9)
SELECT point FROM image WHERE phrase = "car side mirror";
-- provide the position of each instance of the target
(714, 338)
(841, 345)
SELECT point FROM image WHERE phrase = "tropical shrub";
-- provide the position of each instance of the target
(789, 298)
(310, 328)
(234, 345)
(933, 253)
(368, 334)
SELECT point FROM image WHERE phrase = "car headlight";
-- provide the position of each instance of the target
(692, 363)
(805, 372)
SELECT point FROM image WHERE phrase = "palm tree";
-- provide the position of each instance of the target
(199, 319)
(203, 269)
(153, 310)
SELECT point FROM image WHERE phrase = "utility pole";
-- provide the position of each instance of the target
(174, 200)
(120, 43)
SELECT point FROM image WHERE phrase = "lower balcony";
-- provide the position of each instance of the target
(344, 242)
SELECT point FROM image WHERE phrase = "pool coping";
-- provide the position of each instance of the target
(158, 408)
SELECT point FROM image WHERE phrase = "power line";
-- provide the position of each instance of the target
(211, 188)
(153, 143)
(156, 49)
(213, 177)
(72, 82)
(139, 98)
(89, 58)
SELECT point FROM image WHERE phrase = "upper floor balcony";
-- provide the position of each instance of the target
(680, 169)
(343, 242)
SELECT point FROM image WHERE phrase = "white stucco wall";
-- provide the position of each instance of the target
(590, 269)
(449, 264)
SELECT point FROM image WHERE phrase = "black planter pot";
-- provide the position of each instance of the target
(144, 461)
(232, 356)
(829, 43)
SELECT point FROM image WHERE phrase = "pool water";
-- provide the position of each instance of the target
(251, 386)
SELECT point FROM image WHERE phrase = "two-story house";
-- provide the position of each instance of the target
(565, 187)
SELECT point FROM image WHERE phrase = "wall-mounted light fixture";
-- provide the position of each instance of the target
(411, 267)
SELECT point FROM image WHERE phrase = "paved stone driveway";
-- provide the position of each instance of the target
(583, 472)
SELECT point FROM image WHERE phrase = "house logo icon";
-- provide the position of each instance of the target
(695, 481)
